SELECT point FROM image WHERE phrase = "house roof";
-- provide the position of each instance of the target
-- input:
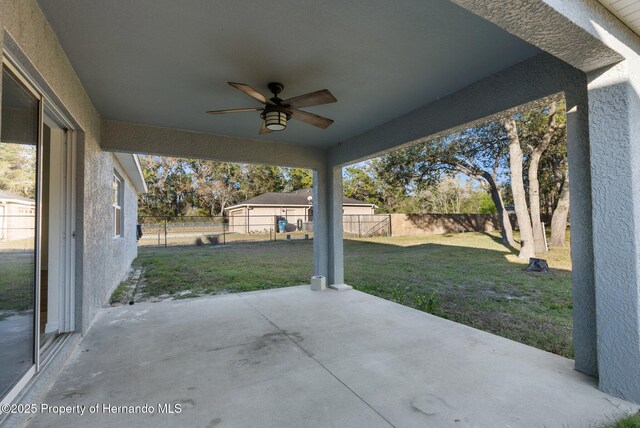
(131, 165)
(299, 197)
(8, 196)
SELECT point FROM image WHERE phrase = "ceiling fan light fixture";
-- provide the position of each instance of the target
(277, 112)
(275, 120)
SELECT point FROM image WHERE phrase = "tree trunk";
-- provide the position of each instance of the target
(527, 249)
(506, 229)
(534, 184)
(534, 202)
(559, 218)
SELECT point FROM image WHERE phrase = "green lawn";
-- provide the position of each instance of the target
(632, 421)
(476, 281)
(16, 282)
(469, 278)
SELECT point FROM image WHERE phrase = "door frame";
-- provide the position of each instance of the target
(36, 306)
(50, 113)
(61, 248)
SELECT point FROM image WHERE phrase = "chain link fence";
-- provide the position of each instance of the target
(220, 230)
(224, 230)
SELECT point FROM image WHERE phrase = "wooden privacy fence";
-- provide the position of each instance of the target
(427, 224)
(363, 225)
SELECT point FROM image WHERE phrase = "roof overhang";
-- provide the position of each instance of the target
(627, 11)
(131, 165)
(17, 201)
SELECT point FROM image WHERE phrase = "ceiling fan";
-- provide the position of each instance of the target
(276, 112)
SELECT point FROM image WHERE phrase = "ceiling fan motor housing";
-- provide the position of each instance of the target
(276, 108)
(275, 88)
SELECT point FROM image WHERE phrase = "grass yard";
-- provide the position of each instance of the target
(473, 279)
(469, 278)
(631, 421)
(224, 269)
(16, 282)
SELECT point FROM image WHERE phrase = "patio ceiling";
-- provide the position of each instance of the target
(165, 63)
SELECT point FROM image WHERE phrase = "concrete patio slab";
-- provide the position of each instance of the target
(294, 357)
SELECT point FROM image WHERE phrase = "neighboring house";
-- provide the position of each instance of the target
(261, 214)
(17, 215)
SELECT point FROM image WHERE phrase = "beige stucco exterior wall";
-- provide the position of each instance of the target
(99, 261)
(357, 210)
(263, 219)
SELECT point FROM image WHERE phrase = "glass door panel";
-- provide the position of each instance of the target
(18, 182)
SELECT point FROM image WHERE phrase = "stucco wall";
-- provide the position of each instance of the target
(100, 263)
(614, 108)
(263, 219)
(357, 210)
(108, 258)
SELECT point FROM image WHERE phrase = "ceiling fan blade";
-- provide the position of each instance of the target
(234, 110)
(311, 99)
(264, 129)
(310, 118)
(251, 92)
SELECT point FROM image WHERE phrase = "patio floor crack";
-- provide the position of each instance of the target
(310, 355)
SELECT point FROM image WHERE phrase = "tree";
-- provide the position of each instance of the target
(451, 196)
(479, 152)
(537, 130)
(154, 202)
(359, 182)
(487, 206)
(18, 169)
(527, 247)
(259, 179)
(298, 178)
(554, 177)
(183, 186)
(391, 196)
(169, 184)
(560, 214)
(216, 184)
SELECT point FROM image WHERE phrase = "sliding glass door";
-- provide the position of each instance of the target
(19, 150)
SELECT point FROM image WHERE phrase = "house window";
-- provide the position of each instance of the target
(117, 201)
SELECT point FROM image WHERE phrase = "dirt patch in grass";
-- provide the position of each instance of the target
(127, 291)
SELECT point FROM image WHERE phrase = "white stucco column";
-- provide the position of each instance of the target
(582, 274)
(328, 251)
(614, 128)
